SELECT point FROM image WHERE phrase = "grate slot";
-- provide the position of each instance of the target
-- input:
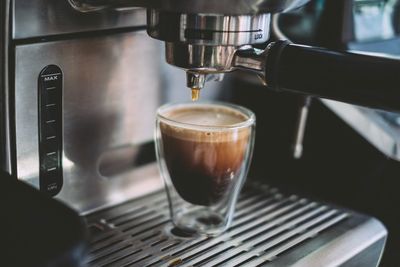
(127, 239)
(223, 237)
(268, 204)
(296, 228)
(271, 255)
(159, 242)
(189, 246)
(144, 239)
(244, 262)
(136, 261)
(102, 237)
(170, 246)
(138, 216)
(172, 258)
(109, 249)
(200, 263)
(281, 238)
(252, 201)
(266, 225)
(147, 221)
(122, 258)
(142, 255)
(95, 249)
(228, 259)
(201, 251)
(260, 222)
(154, 240)
(240, 238)
(256, 233)
(250, 217)
(148, 249)
(116, 237)
(110, 255)
(145, 228)
(129, 259)
(256, 206)
(258, 213)
(153, 264)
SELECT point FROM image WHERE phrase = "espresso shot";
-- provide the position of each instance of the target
(204, 151)
(203, 163)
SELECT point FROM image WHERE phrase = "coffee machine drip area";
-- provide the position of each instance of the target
(81, 83)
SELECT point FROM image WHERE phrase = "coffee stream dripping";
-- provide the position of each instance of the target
(195, 94)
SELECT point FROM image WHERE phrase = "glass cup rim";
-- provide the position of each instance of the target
(245, 111)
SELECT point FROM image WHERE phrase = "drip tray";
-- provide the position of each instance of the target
(269, 229)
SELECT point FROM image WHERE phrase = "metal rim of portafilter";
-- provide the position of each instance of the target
(209, 45)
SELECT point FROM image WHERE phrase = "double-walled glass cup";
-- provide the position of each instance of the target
(204, 152)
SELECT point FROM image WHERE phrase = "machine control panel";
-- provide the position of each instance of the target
(50, 91)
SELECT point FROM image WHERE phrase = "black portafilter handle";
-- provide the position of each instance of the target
(364, 80)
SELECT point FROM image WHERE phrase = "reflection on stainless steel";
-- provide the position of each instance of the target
(205, 44)
(235, 7)
(202, 36)
(267, 230)
(197, 79)
(375, 19)
(200, 58)
(103, 98)
(212, 61)
(371, 125)
(301, 126)
(203, 29)
(51, 17)
(5, 151)
(251, 59)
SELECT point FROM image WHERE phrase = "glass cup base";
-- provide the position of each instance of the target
(200, 222)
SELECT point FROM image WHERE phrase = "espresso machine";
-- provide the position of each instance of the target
(81, 81)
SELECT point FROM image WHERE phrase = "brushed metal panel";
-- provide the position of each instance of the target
(112, 88)
(5, 147)
(35, 18)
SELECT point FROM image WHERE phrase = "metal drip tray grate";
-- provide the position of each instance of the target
(266, 225)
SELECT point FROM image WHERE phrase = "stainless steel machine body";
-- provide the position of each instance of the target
(208, 39)
(203, 37)
(79, 94)
(104, 81)
(228, 7)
